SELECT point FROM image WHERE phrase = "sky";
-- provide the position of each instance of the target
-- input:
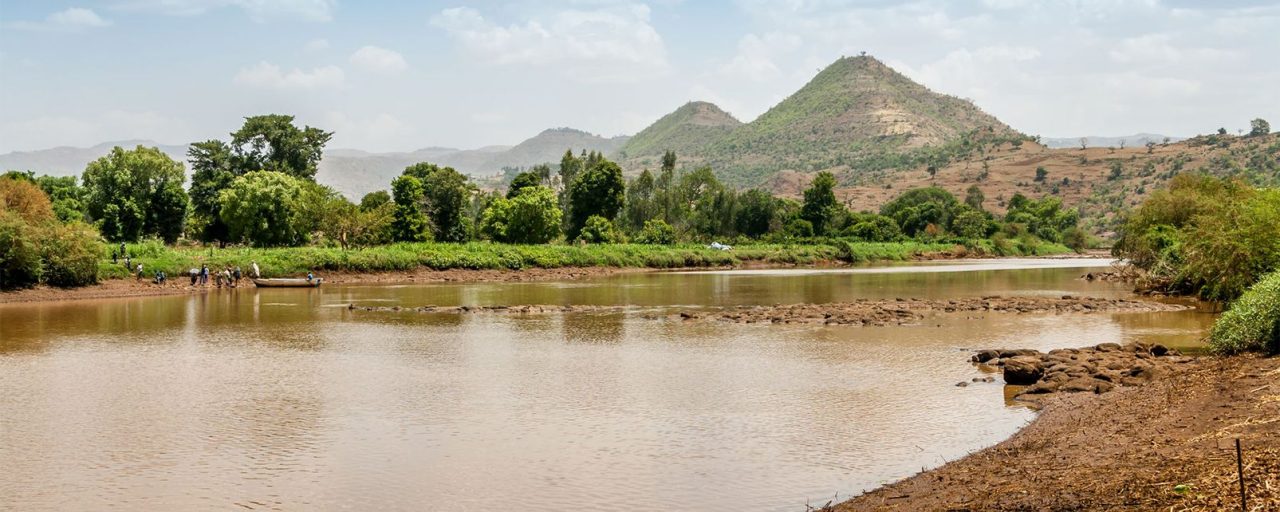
(402, 75)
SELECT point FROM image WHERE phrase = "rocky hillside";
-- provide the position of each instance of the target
(689, 130)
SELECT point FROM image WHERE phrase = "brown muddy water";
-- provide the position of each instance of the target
(284, 399)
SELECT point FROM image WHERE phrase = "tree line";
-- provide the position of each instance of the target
(258, 187)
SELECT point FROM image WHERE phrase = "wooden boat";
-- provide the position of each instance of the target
(291, 282)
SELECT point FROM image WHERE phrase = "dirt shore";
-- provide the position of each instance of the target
(1166, 445)
(180, 285)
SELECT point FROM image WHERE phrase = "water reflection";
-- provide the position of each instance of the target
(285, 398)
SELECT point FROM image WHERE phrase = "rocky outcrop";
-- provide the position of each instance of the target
(1096, 369)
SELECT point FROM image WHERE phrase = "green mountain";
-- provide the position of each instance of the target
(857, 115)
(687, 131)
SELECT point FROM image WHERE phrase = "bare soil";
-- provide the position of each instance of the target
(1166, 445)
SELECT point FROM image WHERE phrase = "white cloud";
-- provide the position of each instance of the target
(379, 60)
(757, 55)
(267, 75)
(70, 19)
(258, 10)
(316, 45)
(382, 132)
(609, 43)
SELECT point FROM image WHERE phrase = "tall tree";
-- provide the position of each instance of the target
(641, 206)
(820, 205)
(445, 192)
(757, 213)
(135, 193)
(409, 223)
(272, 143)
(974, 197)
(263, 208)
(600, 190)
(212, 171)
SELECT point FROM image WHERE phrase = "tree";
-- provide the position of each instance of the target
(522, 181)
(444, 199)
(1117, 171)
(757, 213)
(272, 143)
(531, 217)
(409, 223)
(20, 196)
(1041, 174)
(875, 228)
(351, 225)
(374, 200)
(1222, 131)
(1259, 127)
(599, 191)
(1084, 143)
(916, 209)
(820, 206)
(136, 193)
(20, 264)
(974, 197)
(262, 208)
(970, 223)
(641, 205)
(212, 172)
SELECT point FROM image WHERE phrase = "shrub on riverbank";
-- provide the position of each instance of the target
(35, 247)
(1253, 322)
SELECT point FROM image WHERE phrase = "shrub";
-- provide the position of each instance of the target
(19, 253)
(1253, 322)
(70, 254)
(657, 231)
(599, 230)
(24, 199)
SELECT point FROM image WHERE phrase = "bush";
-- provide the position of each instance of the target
(70, 253)
(1253, 322)
(658, 232)
(19, 252)
(599, 230)
(529, 217)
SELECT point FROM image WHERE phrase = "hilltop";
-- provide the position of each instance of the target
(857, 114)
(687, 131)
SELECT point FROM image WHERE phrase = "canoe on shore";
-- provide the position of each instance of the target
(294, 282)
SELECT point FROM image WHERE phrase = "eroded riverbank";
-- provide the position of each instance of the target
(1129, 449)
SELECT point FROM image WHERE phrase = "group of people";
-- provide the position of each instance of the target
(227, 277)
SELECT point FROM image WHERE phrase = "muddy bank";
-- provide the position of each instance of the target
(878, 312)
(179, 286)
(1167, 443)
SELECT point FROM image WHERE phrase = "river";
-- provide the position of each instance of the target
(283, 399)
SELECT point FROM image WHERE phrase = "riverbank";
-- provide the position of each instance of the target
(408, 263)
(1166, 445)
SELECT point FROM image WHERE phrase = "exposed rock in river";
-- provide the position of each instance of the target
(1095, 369)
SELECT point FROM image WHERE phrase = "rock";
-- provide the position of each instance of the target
(1159, 350)
(1107, 347)
(1079, 385)
(1042, 387)
(1101, 387)
(962, 384)
(1022, 370)
(985, 355)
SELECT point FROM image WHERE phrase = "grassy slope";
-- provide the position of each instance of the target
(479, 255)
(687, 131)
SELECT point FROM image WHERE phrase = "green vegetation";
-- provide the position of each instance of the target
(1253, 322)
(35, 247)
(687, 130)
(1206, 236)
(532, 216)
(136, 193)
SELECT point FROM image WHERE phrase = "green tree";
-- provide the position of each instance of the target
(1259, 127)
(136, 193)
(757, 213)
(875, 228)
(522, 181)
(374, 200)
(600, 190)
(531, 217)
(969, 223)
(445, 192)
(820, 205)
(1041, 174)
(262, 208)
(642, 205)
(914, 210)
(570, 167)
(272, 143)
(20, 264)
(409, 223)
(974, 197)
(212, 172)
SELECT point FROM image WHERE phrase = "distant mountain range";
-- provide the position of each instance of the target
(1095, 141)
(857, 117)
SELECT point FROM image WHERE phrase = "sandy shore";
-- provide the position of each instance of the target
(1165, 445)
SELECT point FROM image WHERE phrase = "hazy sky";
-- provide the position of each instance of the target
(404, 75)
